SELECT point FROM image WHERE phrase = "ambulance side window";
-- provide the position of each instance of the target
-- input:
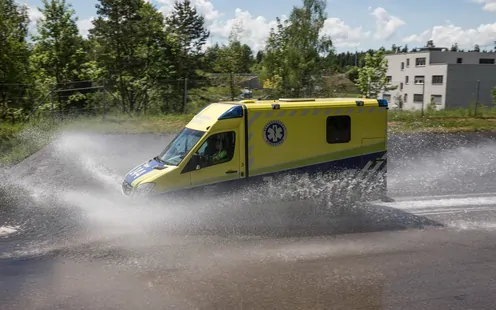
(338, 129)
(218, 148)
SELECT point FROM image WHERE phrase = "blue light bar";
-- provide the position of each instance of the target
(382, 102)
(234, 112)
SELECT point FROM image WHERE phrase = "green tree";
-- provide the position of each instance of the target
(211, 57)
(247, 58)
(132, 46)
(274, 67)
(115, 34)
(187, 27)
(259, 57)
(352, 74)
(232, 58)
(297, 51)
(372, 77)
(58, 50)
(494, 95)
(14, 53)
(158, 61)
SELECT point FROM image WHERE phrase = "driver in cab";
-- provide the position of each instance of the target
(218, 154)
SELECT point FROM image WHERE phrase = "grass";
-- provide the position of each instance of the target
(18, 141)
(455, 120)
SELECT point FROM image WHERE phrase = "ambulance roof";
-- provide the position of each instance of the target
(304, 103)
(210, 114)
(233, 109)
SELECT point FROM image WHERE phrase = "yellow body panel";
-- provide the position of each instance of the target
(305, 141)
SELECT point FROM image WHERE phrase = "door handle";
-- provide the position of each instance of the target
(231, 171)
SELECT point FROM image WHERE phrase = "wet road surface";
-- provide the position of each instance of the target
(70, 241)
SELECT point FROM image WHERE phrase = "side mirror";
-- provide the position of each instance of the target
(196, 161)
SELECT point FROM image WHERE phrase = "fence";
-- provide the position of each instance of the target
(418, 94)
(101, 98)
(25, 102)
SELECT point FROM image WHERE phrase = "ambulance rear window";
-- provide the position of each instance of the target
(338, 129)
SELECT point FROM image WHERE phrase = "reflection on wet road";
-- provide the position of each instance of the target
(68, 239)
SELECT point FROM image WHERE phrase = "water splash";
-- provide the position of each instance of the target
(76, 180)
(464, 225)
(459, 169)
(8, 230)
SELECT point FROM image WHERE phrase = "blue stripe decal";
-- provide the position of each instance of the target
(352, 163)
(142, 169)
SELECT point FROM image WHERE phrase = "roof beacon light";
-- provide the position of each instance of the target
(382, 102)
(234, 112)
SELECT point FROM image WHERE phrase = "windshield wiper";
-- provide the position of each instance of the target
(159, 160)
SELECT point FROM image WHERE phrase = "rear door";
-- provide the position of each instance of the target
(216, 175)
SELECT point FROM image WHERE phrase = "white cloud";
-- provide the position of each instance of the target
(386, 25)
(423, 37)
(34, 16)
(255, 30)
(343, 35)
(84, 26)
(204, 7)
(445, 36)
(489, 5)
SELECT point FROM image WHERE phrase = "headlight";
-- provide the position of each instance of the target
(144, 188)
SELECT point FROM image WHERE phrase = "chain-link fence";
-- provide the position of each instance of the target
(76, 99)
(459, 97)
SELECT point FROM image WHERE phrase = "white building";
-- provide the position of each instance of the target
(449, 79)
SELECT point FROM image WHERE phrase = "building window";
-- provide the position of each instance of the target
(338, 129)
(406, 80)
(437, 79)
(418, 98)
(402, 65)
(459, 60)
(405, 98)
(486, 61)
(387, 97)
(419, 79)
(437, 99)
(389, 78)
(401, 86)
(408, 62)
(420, 61)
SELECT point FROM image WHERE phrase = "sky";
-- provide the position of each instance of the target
(352, 24)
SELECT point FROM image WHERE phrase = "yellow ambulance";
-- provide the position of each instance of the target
(231, 145)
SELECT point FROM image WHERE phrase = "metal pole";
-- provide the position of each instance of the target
(356, 57)
(477, 97)
(51, 110)
(104, 101)
(423, 97)
(185, 100)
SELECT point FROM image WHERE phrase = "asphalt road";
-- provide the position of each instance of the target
(68, 240)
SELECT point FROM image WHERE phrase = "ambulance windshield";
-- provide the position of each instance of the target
(182, 144)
